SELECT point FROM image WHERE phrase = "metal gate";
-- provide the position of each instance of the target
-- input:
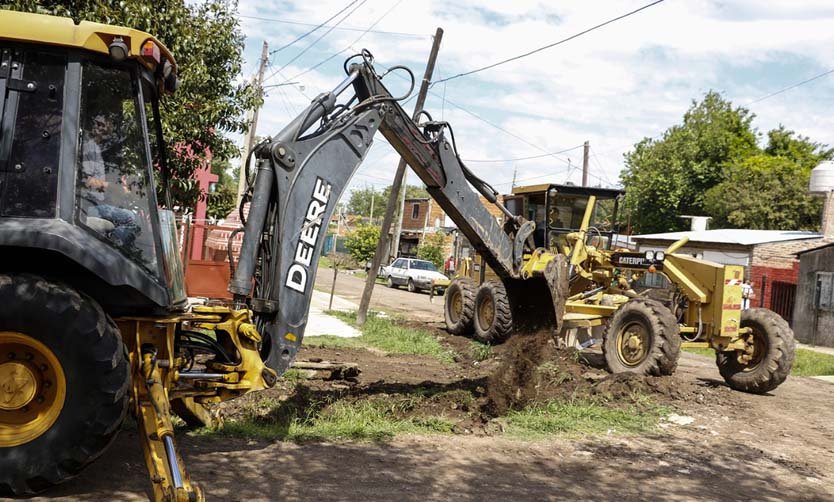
(782, 296)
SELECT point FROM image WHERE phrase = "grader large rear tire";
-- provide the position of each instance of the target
(642, 337)
(493, 315)
(459, 306)
(64, 381)
(771, 345)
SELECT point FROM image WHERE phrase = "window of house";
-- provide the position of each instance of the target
(415, 211)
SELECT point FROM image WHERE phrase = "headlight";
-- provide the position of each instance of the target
(659, 256)
(649, 255)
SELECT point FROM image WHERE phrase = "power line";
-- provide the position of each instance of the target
(340, 28)
(304, 51)
(523, 158)
(368, 30)
(493, 65)
(346, 7)
(794, 86)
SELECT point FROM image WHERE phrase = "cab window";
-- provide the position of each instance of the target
(113, 187)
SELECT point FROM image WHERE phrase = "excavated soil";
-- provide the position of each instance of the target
(526, 370)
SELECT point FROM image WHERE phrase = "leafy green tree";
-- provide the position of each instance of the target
(361, 242)
(770, 190)
(222, 200)
(359, 203)
(207, 42)
(431, 249)
(668, 177)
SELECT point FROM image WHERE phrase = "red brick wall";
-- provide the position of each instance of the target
(764, 277)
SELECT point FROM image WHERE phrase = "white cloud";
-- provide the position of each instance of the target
(613, 86)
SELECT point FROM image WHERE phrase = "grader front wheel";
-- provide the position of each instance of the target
(64, 381)
(643, 338)
(768, 356)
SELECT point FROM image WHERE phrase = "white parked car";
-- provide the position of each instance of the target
(415, 274)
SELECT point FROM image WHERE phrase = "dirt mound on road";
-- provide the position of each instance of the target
(533, 370)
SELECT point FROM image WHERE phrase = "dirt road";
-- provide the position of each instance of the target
(739, 447)
(415, 306)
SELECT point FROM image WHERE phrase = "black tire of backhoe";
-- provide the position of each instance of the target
(777, 363)
(463, 326)
(502, 319)
(94, 359)
(662, 359)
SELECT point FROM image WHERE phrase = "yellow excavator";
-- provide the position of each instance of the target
(95, 322)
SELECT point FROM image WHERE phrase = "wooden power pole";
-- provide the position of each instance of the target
(585, 153)
(249, 139)
(396, 188)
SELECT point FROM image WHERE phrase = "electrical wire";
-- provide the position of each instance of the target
(524, 158)
(310, 32)
(339, 28)
(304, 51)
(529, 53)
(794, 86)
(329, 58)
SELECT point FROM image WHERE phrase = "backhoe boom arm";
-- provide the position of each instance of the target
(301, 174)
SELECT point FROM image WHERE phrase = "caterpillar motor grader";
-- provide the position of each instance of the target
(640, 333)
(95, 321)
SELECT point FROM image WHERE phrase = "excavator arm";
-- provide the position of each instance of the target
(301, 174)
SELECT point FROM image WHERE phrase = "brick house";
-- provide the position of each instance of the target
(768, 256)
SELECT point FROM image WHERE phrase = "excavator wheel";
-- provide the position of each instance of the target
(642, 337)
(769, 355)
(459, 306)
(64, 381)
(493, 316)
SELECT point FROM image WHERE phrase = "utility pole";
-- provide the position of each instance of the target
(373, 196)
(585, 153)
(396, 188)
(515, 171)
(249, 139)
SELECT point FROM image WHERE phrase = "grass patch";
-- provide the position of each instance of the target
(807, 363)
(371, 419)
(385, 334)
(579, 418)
(812, 363)
(480, 351)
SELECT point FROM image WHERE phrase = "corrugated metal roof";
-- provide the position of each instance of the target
(740, 236)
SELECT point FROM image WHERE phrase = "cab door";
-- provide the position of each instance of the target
(31, 110)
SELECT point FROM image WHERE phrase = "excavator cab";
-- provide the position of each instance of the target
(80, 139)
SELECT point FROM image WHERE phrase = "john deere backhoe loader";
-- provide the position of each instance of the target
(93, 317)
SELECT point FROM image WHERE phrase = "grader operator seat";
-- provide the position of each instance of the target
(80, 124)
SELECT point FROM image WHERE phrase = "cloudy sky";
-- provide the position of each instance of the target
(613, 86)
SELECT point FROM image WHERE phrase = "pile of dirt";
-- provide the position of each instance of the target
(534, 370)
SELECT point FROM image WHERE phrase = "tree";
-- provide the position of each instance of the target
(359, 203)
(207, 42)
(221, 201)
(431, 248)
(361, 242)
(669, 177)
(770, 190)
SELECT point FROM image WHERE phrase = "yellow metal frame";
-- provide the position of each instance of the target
(159, 386)
(62, 31)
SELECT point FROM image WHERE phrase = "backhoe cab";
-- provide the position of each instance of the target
(93, 318)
